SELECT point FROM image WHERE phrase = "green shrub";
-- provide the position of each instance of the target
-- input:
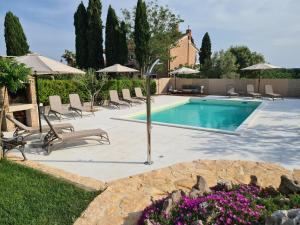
(273, 74)
(62, 88)
(65, 87)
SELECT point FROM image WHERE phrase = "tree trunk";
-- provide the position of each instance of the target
(1, 119)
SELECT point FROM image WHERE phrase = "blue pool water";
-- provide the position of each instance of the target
(216, 114)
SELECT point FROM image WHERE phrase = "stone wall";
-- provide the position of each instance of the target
(285, 87)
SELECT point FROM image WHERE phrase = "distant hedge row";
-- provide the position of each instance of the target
(65, 87)
(267, 74)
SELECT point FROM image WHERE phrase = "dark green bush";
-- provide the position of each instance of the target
(65, 87)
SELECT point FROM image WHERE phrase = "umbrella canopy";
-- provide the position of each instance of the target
(262, 66)
(42, 65)
(184, 70)
(117, 68)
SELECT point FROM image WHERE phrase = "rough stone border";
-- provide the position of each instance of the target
(122, 202)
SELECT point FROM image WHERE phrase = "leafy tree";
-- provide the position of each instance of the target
(205, 53)
(94, 35)
(123, 47)
(164, 32)
(142, 35)
(244, 56)
(12, 77)
(94, 84)
(15, 39)
(112, 37)
(70, 58)
(81, 24)
(223, 65)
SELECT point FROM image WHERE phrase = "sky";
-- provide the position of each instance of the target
(271, 27)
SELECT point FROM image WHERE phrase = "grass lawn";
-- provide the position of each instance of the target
(29, 197)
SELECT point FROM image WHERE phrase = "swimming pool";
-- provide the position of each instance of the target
(225, 115)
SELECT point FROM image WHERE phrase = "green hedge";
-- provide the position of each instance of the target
(65, 87)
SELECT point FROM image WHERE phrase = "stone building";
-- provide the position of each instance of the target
(22, 105)
(185, 53)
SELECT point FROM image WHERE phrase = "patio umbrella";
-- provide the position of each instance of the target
(260, 67)
(41, 65)
(183, 70)
(117, 68)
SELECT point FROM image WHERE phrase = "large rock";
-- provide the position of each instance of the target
(172, 200)
(227, 184)
(199, 188)
(288, 186)
(255, 181)
(284, 217)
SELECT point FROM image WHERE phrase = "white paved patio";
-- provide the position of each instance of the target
(273, 136)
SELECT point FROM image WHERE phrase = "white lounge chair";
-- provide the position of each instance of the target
(269, 92)
(25, 131)
(231, 92)
(139, 94)
(114, 99)
(57, 108)
(54, 138)
(76, 105)
(250, 91)
(127, 97)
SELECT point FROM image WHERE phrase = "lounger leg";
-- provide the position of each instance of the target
(21, 149)
(107, 138)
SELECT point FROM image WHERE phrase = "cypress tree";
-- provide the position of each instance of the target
(112, 35)
(95, 35)
(123, 47)
(15, 39)
(141, 35)
(205, 52)
(80, 23)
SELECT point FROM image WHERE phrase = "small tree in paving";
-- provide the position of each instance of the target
(94, 84)
(12, 77)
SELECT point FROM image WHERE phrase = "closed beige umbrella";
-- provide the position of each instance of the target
(41, 65)
(117, 68)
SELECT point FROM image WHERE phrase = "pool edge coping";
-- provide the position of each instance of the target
(237, 132)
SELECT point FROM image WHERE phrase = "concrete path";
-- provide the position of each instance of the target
(273, 136)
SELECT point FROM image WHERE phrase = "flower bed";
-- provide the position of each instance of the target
(238, 204)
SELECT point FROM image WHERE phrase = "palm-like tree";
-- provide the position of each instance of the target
(70, 58)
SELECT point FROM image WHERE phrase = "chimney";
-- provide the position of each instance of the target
(189, 33)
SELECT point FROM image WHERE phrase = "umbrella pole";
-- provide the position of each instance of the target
(175, 81)
(259, 77)
(37, 100)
